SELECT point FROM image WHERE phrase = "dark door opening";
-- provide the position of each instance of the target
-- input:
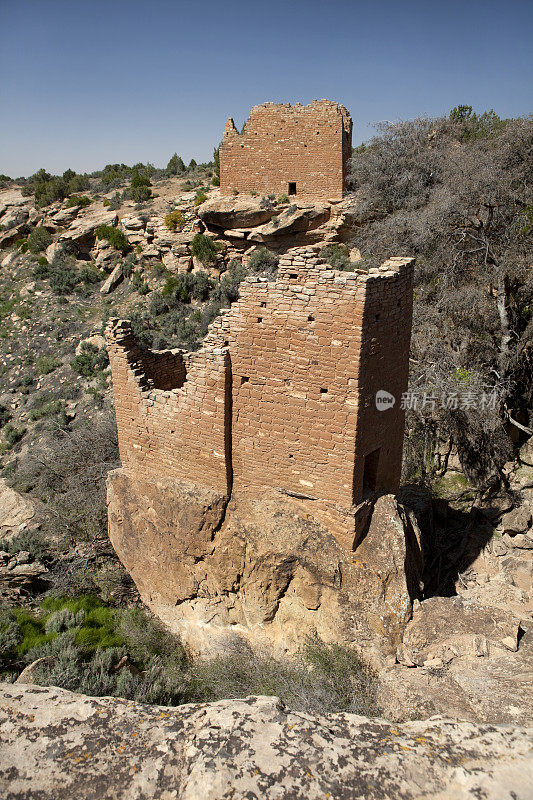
(370, 471)
(292, 188)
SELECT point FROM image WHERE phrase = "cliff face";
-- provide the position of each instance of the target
(56, 744)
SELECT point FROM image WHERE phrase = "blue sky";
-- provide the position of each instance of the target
(90, 82)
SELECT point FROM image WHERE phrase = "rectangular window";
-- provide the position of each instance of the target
(292, 188)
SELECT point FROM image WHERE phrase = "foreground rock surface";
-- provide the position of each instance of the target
(56, 744)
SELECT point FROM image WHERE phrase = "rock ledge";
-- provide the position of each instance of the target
(56, 744)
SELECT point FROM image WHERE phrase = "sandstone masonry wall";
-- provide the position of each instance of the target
(308, 146)
(175, 433)
(281, 398)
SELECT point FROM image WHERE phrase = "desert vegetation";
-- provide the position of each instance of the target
(89, 646)
(456, 192)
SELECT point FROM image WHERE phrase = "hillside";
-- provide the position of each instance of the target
(163, 249)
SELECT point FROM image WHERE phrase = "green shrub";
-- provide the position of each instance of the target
(87, 638)
(90, 361)
(200, 198)
(204, 249)
(216, 162)
(90, 275)
(13, 435)
(182, 288)
(140, 191)
(263, 261)
(78, 200)
(42, 261)
(128, 265)
(77, 183)
(47, 364)
(5, 416)
(115, 202)
(47, 192)
(47, 408)
(175, 166)
(106, 203)
(283, 200)
(114, 236)
(39, 239)
(174, 221)
(32, 541)
(337, 255)
(321, 679)
(476, 126)
(138, 283)
(62, 273)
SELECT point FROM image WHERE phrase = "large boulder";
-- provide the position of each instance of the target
(57, 744)
(261, 569)
(16, 511)
(293, 220)
(83, 231)
(235, 212)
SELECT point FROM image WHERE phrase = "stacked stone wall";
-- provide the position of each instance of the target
(282, 396)
(281, 144)
(179, 433)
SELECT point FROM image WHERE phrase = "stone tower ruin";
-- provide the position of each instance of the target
(300, 151)
(281, 398)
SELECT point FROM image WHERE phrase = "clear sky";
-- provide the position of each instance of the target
(89, 82)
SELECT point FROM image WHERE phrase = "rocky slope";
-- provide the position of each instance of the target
(482, 552)
(56, 744)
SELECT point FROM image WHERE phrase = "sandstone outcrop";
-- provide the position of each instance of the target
(260, 570)
(16, 511)
(291, 221)
(237, 212)
(486, 683)
(18, 572)
(83, 231)
(56, 744)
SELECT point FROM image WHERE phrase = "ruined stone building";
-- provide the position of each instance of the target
(280, 399)
(300, 151)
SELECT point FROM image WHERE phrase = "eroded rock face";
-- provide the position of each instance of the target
(443, 628)
(83, 230)
(56, 744)
(260, 569)
(238, 212)
(16, 511)
(293, 220)
(490, 684)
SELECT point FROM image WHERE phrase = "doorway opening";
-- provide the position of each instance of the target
(292, 188)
